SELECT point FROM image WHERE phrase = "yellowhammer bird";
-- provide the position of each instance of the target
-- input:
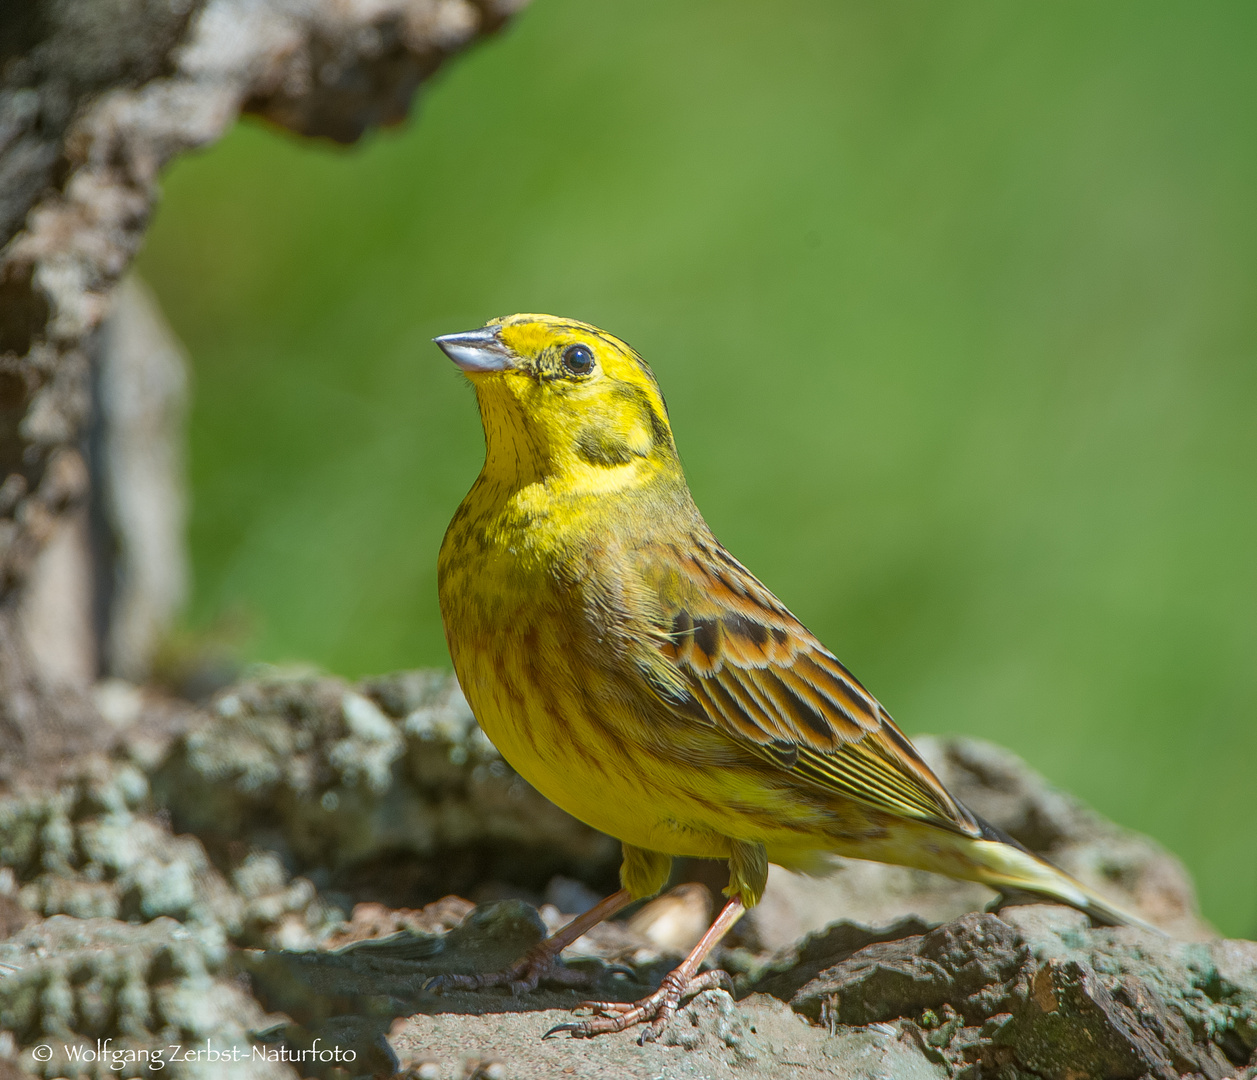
(639, 676)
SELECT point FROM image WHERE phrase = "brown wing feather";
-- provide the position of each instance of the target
(759, 674)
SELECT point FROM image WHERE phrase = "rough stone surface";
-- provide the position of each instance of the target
(268, 873)
(97, 848)
(386, 791)
(970, 964)
(713, 1038)
(1040, 991)
(70, 982)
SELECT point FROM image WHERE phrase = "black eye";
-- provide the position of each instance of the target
(578, 359)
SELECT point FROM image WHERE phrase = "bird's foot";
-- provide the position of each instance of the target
(654, 1011)
(521, 977)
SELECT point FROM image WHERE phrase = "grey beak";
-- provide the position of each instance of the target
(477, 350)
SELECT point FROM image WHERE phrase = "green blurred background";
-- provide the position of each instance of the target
(955, 306)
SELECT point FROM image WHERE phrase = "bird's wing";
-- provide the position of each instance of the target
(727, 645)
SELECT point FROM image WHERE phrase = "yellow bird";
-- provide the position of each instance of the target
(639, 676)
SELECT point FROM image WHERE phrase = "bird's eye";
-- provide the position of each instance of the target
(578, 359)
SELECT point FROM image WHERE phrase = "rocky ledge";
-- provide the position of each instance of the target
(263, 886)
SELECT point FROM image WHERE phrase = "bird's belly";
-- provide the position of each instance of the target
(544, 730)
(624, 789)
(544, 688)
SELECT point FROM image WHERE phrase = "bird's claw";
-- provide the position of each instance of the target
(654, 1011)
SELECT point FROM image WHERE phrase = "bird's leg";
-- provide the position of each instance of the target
(529, 969)
(657, 1010)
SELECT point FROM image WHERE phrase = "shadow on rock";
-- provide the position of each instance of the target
(351, 996)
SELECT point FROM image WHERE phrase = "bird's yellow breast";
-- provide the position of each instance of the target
(543, 677)
(510, 621)
(543, 615)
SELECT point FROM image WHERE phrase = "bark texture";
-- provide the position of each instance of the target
(137, 450)
(96, 96)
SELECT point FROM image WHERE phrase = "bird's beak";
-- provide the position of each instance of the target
(477, 350)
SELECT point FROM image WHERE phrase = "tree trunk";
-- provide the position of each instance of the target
(96, 96)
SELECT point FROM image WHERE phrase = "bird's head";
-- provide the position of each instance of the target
(563, 399)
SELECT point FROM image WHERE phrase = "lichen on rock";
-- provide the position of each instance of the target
(391, 780)
(1038, 989)
(114, 998)
(271, 871)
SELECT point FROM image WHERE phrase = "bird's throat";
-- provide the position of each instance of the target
(564, 464)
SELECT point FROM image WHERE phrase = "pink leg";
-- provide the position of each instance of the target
(540, 960)
(657, 1009)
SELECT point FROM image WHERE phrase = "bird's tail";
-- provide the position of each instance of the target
(1004, 864)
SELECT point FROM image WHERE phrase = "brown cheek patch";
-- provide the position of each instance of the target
(599, 446)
